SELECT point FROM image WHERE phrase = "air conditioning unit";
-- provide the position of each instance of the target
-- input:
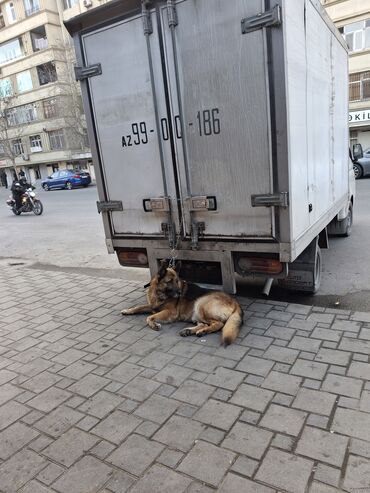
(87, 3)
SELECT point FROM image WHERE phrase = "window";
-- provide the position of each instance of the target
(10, 50)
(2, 21)
(46, 73)
(35, 143)
(11, 117)
(50, 108)
(17, 147)
(69, 3)
(2, 149)
(357, 35)
(56, 138)
(39, 39)
(21, 114)
(359, 86)
(31, 6)
(24, 81)
(10, 12)
(6, 89)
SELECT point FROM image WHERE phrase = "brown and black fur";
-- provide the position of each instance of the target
(171, 299)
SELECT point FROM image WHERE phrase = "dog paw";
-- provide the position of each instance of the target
(126, 311)
(200, 333)
(153, 325)
(185, 332)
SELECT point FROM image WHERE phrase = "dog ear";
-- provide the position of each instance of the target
(178, 267)
(162, 269)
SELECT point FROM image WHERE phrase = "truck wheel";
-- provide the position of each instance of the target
(317, 272)
(346, 224)
(357, 169)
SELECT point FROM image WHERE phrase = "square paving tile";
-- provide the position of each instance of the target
(357, 476)
(135, 454)
(218, 414)
(86, 476)
(179, 433)
(248, 440)
(323, 446)
(207, 463)
(285, 471)
(314, 401)
(235, 484)
(252, 397)
(70, 447)
(116, 427)
(157, 408)
(283, 419)
(160, 479)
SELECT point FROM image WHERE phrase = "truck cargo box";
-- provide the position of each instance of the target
(218, 128)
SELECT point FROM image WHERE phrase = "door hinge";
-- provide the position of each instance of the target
(169, 231)
(172, 14)
(82, 73)
(147, 20)
(109, 206)
(270, 18)
(271, 200)
(197, 230)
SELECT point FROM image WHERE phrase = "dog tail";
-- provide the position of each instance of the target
(232, 326)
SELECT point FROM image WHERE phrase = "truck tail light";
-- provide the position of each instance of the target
(133, 257)
(256, 265)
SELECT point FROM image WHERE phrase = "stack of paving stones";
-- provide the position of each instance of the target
(94, 402)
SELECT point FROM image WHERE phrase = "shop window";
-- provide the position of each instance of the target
(46, 73)
(56, 139)
(24, 81)
(39, 39)
(35, 143)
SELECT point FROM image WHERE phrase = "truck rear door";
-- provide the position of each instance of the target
(219, 87)
(182, 120)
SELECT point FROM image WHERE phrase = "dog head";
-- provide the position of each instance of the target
(166, 284)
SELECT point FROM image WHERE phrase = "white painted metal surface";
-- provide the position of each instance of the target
(317, 102)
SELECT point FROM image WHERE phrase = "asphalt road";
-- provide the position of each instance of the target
(69, 236)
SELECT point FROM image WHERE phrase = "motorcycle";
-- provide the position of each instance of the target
(29, 203)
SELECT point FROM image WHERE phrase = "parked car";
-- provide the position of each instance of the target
(361, 166)
(67, 178)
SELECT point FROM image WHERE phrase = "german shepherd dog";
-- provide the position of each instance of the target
(171, 299)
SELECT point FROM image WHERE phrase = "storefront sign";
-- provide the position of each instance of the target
(359, 116)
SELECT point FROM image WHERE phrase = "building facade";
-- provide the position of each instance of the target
(42, 126)
(352, 17)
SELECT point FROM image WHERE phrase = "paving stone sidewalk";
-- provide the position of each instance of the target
(93, 402)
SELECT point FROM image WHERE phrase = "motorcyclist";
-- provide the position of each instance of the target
(19, 186)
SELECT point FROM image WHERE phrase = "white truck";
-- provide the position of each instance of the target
(219, 134)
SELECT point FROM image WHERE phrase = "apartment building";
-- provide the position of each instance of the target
(41, 117)
(352, 17)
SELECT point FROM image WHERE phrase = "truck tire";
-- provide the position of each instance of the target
(317, 272)
(346, 225)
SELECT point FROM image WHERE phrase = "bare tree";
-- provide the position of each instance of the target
(11, 129)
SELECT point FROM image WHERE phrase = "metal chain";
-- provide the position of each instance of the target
(174, 253)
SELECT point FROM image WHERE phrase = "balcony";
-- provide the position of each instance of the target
(32, 10)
